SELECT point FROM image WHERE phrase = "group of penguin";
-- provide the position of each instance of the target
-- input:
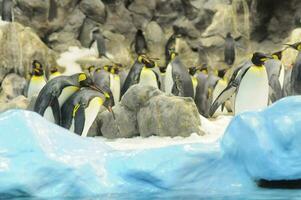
(73, 102)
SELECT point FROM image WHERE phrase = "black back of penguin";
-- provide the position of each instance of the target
(140, 43)
(182, 80)
(229, 52)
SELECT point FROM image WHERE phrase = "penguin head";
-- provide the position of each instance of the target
(146, 61)
(204, 69)
(277, 55)
(37, 68)
(221, 73)
(36, 65)
(91, 68)
(84, 80)
(53, 70)
(172, 53)
(192, 71)
(162, 69)
(229, 35)
(296, 46)
(115, 69)
(259, 58)
(107, 68)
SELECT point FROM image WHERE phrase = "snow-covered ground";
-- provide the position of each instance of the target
(213, 129)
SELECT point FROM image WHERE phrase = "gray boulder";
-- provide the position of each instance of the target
(147, 111)
(93, 9)
(19, 102)
(12, 86)
(169, 116)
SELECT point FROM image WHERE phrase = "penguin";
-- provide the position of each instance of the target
(115, 83)
(81, 109)
(37, 80)
(54, 94)
(296, 71)
(149, 75)
(192, 73)
(275, 71)
(7, 10)
(250, 87)
(229, 51)
(134, 74)
(171, 43)
(100, 43)
(219, 86)
(52, 12)
(177, 78)
(140, 43)
(101, 76)
(54, 73)
(90, 70)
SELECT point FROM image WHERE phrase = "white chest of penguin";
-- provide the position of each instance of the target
(115, 86)
(253, 91)
(148, 77)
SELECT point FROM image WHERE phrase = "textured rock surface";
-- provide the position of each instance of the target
(262, 26)
(147, 111)
(12, 86)
(19, 102)
(19, 46)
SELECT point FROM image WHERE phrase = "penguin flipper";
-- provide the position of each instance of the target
(222, 98)
(55, 106)
(79, 120)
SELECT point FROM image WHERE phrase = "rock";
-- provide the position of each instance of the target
(13, 86)
(124, 125)
(142, 12)
(32, 102)
(19, 102)
(146, 111)
(156, 41)
(24, 47)
(138, 96)
(93, 9)
(186, 28)
(169, 116)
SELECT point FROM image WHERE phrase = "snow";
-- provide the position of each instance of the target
(214, 130)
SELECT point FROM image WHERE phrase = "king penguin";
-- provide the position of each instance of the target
(99, 39)
(296, 71)
(140, 43)
(54, 73)
(37, 80)
(56, 92)
(250, 86)
(193, 75)
(81, 109)
(7, 10)
(275, 71)
(142, 72)
(177, 78)
(115, 83)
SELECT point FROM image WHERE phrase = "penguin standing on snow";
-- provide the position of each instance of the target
(296, 71)
(275, 71)
(250, 85)
(177, 78)
(56, 92)
(81, 109)
(37, 80)
(7, 10)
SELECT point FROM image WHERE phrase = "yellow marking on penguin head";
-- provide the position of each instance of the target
(56, 74)
(275, 57)
(299, 47)
(107, 95)
(263, 59)
(82, 77)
